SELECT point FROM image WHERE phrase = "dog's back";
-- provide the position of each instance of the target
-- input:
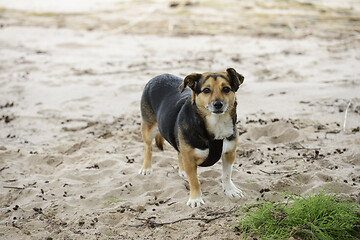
(161, 102)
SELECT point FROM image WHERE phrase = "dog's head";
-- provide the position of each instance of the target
(214, 92)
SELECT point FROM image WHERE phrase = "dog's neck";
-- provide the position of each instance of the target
(219, 126)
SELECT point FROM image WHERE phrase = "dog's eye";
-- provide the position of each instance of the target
(226, 89)
(206, 90)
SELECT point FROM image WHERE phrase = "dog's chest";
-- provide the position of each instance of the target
(221, 126)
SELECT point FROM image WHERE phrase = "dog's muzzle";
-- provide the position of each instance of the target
(217, 107)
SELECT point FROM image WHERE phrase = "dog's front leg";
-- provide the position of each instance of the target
(190, 168)
(228, 159)
(181, 166)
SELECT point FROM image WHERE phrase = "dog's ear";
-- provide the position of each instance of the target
(191, 81)
(235, 78)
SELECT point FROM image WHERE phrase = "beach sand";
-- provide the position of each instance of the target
(71, 78)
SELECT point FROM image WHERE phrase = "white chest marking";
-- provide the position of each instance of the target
(220, 125)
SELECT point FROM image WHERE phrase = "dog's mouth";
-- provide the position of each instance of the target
(217, 112)
(217, 107)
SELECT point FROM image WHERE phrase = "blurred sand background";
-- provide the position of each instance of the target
(71, 77)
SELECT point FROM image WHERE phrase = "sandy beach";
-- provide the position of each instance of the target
(71, 78)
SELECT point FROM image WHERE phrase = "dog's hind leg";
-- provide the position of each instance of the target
(148, 134)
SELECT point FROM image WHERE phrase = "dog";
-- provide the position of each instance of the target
(197, 116)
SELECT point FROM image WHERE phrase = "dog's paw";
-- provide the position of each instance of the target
(182, 173)
(232, 191)
(146, 171)
(197, 202)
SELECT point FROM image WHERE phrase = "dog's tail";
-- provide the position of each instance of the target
(159, 140)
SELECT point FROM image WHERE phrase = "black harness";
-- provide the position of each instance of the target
(215, 151)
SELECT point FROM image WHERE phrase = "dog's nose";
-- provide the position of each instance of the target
(218, 105)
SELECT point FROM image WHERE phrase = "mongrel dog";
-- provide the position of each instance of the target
(198, 121)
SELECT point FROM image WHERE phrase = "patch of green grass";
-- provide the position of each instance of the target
(112, 200)
(319, 216)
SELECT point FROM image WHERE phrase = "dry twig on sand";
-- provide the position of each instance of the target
(150, 223)
(289, 172)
